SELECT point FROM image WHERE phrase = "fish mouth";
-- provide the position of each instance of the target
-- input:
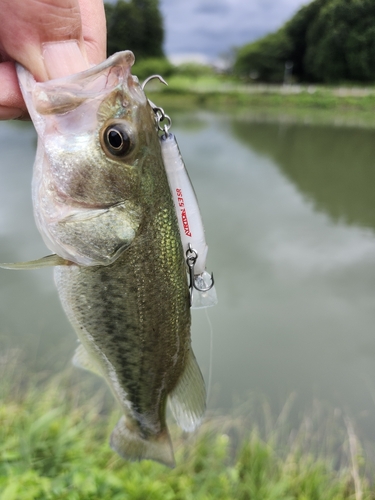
(123, 58)
(62, 95)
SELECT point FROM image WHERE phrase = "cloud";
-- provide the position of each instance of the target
(212, 8)
(213, 27)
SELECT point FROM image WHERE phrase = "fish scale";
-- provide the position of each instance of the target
(129, 330)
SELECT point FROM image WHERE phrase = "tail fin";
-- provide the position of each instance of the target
(131, 446)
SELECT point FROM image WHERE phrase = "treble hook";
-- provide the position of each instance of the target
(160, 78)
(159, 112)
(191, 258)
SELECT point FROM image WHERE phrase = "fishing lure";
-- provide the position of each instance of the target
(187, 211)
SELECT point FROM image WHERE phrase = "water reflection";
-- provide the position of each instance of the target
(332, 167)
(289, 221)
(31, 320)
(295, 281)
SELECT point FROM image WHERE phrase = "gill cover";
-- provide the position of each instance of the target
(82, 214)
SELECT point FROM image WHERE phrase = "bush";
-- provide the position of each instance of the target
(265, 59)
(153, 66)
(194, 70)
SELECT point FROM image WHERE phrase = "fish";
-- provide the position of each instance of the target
(103, 206)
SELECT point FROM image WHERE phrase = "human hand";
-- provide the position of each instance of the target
(51, 38)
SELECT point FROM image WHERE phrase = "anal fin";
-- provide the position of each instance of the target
(82, 359)
(188, 399)
(48, 261)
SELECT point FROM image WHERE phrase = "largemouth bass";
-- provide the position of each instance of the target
(103, 206)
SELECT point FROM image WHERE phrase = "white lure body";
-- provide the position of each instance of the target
(189, 218)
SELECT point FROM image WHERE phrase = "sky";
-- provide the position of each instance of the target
(213, 27)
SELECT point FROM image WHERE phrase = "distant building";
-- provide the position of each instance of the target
(219, 64)
(193, 58)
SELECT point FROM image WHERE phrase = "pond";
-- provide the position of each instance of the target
(289, 211)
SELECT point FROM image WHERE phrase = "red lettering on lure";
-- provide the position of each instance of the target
(185, 222)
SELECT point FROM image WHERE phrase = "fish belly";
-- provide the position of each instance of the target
(133, 320)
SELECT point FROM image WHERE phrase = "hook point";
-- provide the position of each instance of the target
(160, 78)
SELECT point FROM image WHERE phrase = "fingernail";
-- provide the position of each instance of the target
(12, 113)
(63, 58)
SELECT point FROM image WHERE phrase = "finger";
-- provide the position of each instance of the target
(12, 105)
(64, 58)
(52, 40)
(35, 23)
(94, 30)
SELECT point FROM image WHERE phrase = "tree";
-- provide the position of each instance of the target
(341, 42)
(136, 25)
(296, 30)
(327, 41)
(153, 31)
(265, 59)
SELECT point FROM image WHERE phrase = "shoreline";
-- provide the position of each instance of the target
(340, 106)
(55, 438)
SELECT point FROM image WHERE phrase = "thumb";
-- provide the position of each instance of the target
(45, 36)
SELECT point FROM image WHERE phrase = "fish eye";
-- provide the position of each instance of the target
(117, 141)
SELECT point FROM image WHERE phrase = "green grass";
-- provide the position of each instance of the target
(224, 93)
(54, 445)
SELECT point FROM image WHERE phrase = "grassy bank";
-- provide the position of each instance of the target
(217, 93)
(54, 445)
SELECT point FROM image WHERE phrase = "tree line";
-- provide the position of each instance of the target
(326, 41)
(136, 25)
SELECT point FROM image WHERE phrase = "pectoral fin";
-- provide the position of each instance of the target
(48, 261)
(82, 359)
(188, 400)
(96, 237)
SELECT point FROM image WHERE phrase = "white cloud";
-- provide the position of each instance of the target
(215, 26)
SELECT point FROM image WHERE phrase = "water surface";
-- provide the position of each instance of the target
(289, 211)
